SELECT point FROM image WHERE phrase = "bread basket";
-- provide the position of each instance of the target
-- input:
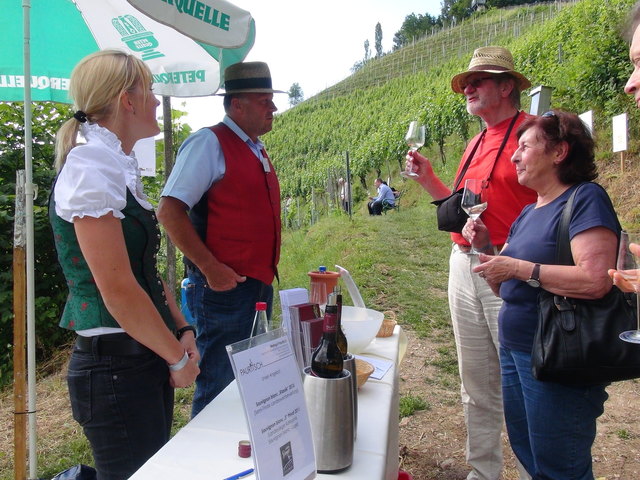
(388, 324)
(363, 371)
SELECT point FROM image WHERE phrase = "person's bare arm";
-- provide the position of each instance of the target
(102, 243)
(427, 177)
(172, 214)
(188, 339)
(594, 251)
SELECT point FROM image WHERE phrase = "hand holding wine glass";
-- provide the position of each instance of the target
(629, 267)
(473, 201)
(415, 139)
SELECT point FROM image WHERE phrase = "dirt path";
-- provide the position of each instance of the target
(432, 441)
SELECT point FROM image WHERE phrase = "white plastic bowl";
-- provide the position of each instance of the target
(360, 325)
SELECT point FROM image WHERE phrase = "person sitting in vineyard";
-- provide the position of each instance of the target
(384, 194)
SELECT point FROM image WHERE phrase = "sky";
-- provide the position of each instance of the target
(315, 46)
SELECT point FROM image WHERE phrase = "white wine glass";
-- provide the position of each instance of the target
(414, 139)
(473, 201)
(318, 294)
(629, 267)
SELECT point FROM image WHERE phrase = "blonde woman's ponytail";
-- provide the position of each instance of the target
(66, 139)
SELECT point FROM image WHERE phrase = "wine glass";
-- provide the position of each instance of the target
(629, 267)
(473, 201)
(414, 139)
(318, 294)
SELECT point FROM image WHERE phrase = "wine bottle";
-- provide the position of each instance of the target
(341, 337)
(260, 320)
(326, 360)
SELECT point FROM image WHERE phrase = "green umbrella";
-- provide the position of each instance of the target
(185, 43)
(64, 31)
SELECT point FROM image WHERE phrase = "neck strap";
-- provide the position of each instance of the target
(475, 148)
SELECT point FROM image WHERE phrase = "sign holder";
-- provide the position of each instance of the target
(271, 389)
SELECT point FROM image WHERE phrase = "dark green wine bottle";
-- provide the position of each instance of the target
(342, 338)
(326, 360)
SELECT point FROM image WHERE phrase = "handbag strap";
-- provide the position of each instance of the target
(475, 148)
(563, 247)
(468, 162)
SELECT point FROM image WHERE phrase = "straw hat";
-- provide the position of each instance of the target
(248, 77)
(489, 60)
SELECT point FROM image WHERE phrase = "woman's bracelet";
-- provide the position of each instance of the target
(181, 364)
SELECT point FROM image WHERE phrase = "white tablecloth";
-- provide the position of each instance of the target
(207, 447)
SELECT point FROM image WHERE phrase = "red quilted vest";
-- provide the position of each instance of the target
(243, 211)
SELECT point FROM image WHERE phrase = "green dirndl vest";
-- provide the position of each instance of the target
(85, 307)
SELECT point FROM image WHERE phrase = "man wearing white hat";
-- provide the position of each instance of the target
(221, 207)
(492, 88)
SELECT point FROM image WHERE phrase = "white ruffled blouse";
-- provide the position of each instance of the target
(95, 177)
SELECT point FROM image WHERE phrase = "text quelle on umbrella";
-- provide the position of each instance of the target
(202, 12)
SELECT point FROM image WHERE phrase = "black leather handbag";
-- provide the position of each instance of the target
(576, 341)
(449, 213)
(451, 217)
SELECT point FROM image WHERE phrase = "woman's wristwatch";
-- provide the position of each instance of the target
(534, 279)
(186, 328)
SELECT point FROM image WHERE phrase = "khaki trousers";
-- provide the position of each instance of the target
(474, 315)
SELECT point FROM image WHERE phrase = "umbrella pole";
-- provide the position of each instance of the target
(29, 195)
(168, 166)
(19, 332)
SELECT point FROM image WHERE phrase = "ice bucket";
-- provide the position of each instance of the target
(350, 364)
(329, 403)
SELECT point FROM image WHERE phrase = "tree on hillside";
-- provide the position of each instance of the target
(378, 44)
(296, 95)
(367, 56)
(455, 10)
(414, 26)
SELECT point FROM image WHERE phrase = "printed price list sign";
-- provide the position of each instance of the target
(271, 389)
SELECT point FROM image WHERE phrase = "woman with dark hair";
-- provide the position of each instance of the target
(551, 426)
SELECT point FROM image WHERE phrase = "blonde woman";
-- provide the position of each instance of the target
(133, 345)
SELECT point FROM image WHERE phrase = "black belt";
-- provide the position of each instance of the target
(116, 344)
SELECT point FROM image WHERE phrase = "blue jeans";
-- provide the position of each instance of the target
(222, 318)
(551, 426)
(125, 407)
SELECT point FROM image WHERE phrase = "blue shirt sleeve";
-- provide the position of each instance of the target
(199, 164)
(385, 193)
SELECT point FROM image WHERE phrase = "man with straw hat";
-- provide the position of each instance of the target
(492, 88)
(221, 207)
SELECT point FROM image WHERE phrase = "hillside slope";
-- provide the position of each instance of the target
(573, 47)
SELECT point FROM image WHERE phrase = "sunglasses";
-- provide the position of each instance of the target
(476, 82)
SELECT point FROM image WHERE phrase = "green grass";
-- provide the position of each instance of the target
(409, 404)
(624, 434)
(74, 450)
(399, 262)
